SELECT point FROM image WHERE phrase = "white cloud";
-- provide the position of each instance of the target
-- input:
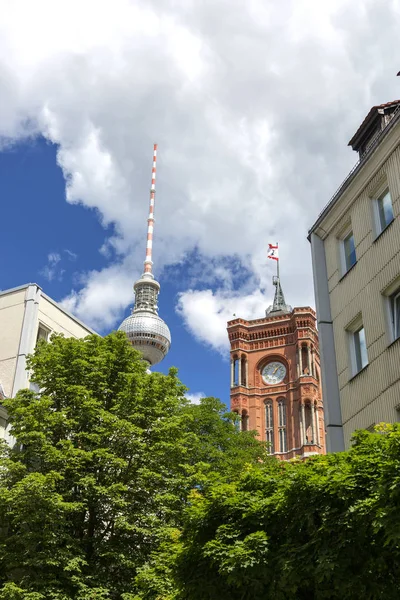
(71, 255)
(195, 397)
(103, 298)
(206, 313)
(51, 270)
(251, 103)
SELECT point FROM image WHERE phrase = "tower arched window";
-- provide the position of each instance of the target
(309, 429)
(243, 373)
(304, 360)
(245, 420)
(269, 427)
(282, 425)
(237, 422)
(235, 371)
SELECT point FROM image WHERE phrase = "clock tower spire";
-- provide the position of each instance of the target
(279, 305)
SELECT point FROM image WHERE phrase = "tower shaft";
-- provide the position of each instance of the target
(148, 263)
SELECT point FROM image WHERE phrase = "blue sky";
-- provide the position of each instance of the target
(252, 105)
(32, 187)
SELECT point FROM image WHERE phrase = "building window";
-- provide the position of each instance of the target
(349, 252)
(3, 428)
(391, 299)
(269, 427)
(282, 425)
(245, 421)
(395, 314)
(304, 360)
(358, 346)
(243, 373)
(238, 371)
(42, 334)
(383, 211)
(360, 349)
(308, 424)
(235, 371)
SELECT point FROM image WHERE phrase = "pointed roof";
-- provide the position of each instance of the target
(279, 306)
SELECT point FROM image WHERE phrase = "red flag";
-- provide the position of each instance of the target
(273, 251)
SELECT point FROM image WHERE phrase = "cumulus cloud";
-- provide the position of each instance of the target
(103, 296)
(252, 104)
(195, 397)
(206, 313)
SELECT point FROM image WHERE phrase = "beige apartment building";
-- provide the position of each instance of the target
(26, 315)
(355, 245)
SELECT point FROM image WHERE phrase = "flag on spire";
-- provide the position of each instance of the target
(273, 251)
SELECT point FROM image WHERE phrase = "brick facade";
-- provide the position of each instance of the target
(288, 414)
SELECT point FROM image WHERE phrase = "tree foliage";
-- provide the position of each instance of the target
(118, 488)
(325, 528)
(104, 461)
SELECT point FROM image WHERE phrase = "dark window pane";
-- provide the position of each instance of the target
(349, 251)
(396, 314)
(360, 347)
(385, 210)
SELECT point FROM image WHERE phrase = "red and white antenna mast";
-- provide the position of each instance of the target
(148, 263)
(146, 331)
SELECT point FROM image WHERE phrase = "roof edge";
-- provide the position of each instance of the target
(356, 168)
(70, 315)
(53, 302)
(19, 288)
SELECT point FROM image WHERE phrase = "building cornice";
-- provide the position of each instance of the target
(298, 311)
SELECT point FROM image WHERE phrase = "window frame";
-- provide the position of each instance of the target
(390, 294)
(344, 235)
(269, 426)
(395, 322)
(244, 420)
(356, 359)
(282, 420)
(360, 345)
(380, 194)
(47, 331)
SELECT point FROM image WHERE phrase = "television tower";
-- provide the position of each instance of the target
(146, 331)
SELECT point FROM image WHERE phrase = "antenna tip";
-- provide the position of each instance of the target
(155, 146)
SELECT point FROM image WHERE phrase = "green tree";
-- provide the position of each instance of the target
(325, 528)
(104, 460)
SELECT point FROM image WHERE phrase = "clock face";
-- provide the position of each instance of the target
(273, 373)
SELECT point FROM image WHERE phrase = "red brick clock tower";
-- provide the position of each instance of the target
(275, 378)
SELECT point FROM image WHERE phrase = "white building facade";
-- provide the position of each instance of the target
(26, 315)
(355, 246)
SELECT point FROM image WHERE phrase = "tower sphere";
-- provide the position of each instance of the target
(148, 333)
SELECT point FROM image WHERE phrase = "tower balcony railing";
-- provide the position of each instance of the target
(239, 385)
(308, 378)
